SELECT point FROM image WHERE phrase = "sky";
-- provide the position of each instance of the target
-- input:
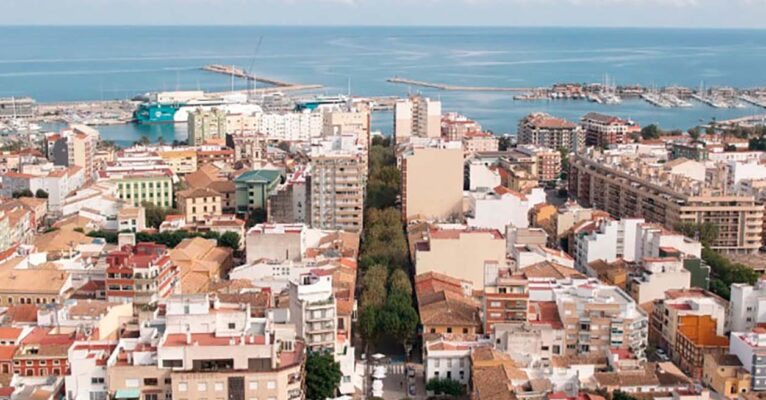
(609, 13)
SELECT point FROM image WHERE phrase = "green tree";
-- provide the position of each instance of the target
(22, 193)
(707, 232)
(143, 141)
(651, 132)
(620, 395)
(694, 133)
(374, 286)
(156, 215)
(231, 240)
(41, 194)
(398, 318)
(504, 143)
(367, 324)
(399, 282)
(322, 376)
(255, 217)
(445, 386)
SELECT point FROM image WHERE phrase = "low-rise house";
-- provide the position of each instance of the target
(199, 261)
(725, 375)
(697, 338)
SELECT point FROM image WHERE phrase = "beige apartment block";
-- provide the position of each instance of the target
(417, 116)
(629, 188)
(432, 183)
(338, 182)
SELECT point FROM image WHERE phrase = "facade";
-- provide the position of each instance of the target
(667, 313)
(548, 161)
(696, 339)
(417, 116)
(424, 197)
(502, 207)
(292, 201)
(337, 189)
(658, 275)
(313, 311)
(474, 142)
(215, 349)
(81, 149)
(456, 126)
(254, 187)
(155, 187)
(197, 204)
(460, 253)
(554, 133)
(724, 374)
(143, 274)
(206, 124)
(626, 188)
(180, 161)
(604, 130)
(249, 147)
(750, 348)
(748, 306)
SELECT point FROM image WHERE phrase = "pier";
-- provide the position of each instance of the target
(239, 73)
(456, 88)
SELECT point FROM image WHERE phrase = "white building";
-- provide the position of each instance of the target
(482, 176)
(750, 348)
(747, 306)
(609, 241)
(417, 116)
(502, 207)
(447, 358)
(313, 311)
(87, 378)
(659, 275)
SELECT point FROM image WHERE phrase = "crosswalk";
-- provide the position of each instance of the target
(395, 369)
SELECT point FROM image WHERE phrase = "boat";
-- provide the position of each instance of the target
(158, 111)
(321, 102)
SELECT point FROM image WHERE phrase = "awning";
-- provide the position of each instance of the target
(127, 394)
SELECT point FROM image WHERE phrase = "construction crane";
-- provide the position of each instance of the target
(250, 74)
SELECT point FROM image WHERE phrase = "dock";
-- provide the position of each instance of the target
(757, 101)
(456, 88)
(240, 73)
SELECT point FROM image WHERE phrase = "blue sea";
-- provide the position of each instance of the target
(82, 63)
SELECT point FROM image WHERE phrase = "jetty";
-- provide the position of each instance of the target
(456, 88)
(240, 73)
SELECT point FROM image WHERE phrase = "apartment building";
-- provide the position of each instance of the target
(656, 276)
(748, 306)
(424, 197)
(337, 183)
(598, 317)
(626, 186)
(548, 161)
(204, 125)
(253, 188)
(347, 123)
(455, 126)
(554, 133)
(141, 274)
(461, 253)
(501, 207)
(291, 203)
(750, 348)
(215, 349)
(250, 147)
(81, 142)
(724, 374)
(197, 204)
(474, 142)
(181, 161)
(697, 338)
(605, 130)
(417, 116)
(313, 311)
(667, 312)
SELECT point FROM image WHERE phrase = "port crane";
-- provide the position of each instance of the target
(252, 82)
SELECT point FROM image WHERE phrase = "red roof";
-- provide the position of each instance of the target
(209, 339)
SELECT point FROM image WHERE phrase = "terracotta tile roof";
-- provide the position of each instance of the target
(549, 269)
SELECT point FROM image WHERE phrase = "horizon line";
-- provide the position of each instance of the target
(459, 26)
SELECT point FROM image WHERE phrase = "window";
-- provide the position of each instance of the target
(151, 396)
(182, 387)
(172, 363)
(232, 325)
(56, 362)
(151, 382)
(96, 381)
(219, 386)
(253, 385)
(202, 387)
(131, 383)
(271, 385)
